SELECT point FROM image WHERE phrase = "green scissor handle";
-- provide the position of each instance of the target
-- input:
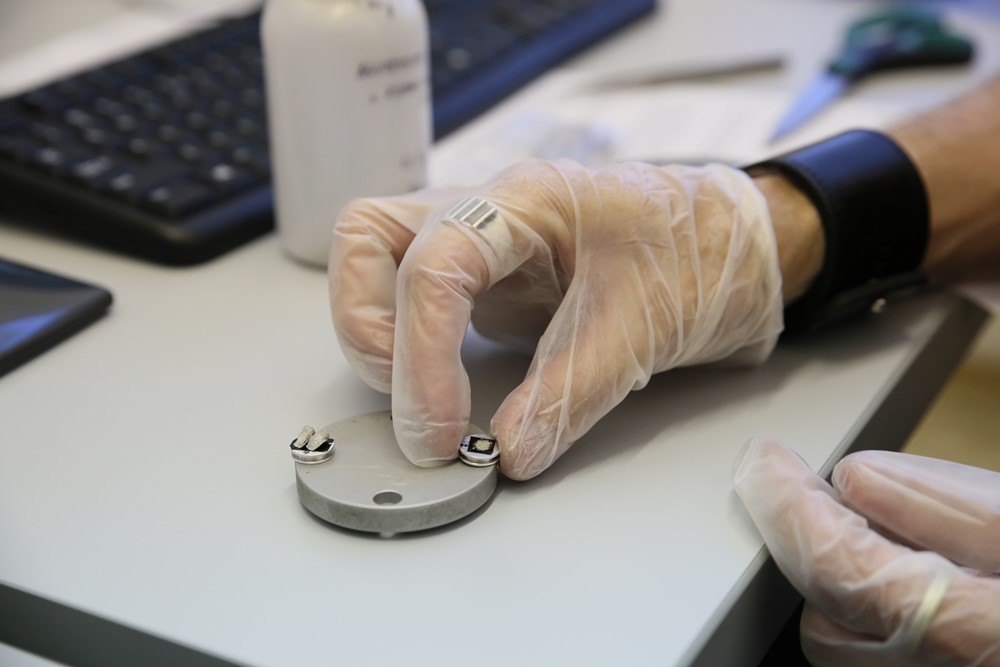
(899, 38)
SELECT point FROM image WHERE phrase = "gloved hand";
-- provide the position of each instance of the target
(614, 274)
(898, 561)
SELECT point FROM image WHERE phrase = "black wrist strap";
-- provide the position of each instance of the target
(874, 212)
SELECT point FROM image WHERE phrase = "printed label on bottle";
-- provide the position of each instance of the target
(412, 67)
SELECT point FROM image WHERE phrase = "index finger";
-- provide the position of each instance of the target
(370, 238)
(478, 242)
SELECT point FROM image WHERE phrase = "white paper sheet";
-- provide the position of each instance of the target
(691, 123)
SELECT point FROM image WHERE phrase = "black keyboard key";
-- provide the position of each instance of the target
(58, 160)
(251, 157)
(72, 89)
(145, 148)
(251, 97)
(136, 71)
(43, 102)
(102, 81)
(223, 109)
(10, 120)
(122, 184)
(197, 120)
(219, 139)
(132, 184)
(19, 146)
(49, 133)
(154, 111)
(90, 171)
(181, 102)
(227, 177)
(127, 123)
(178, 199)
(216, 62)
(98, 138)
(248, 126)
(194, 152)
(137, 94)
(170, 134)
(79, 118)
(107, 106)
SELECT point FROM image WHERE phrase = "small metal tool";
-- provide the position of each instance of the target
(896, 39)
(694, 72)
(370, 486)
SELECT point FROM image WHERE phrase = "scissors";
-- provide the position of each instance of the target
(896, 39)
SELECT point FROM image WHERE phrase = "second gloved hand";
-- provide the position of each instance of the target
(610, 275)
(897, 560)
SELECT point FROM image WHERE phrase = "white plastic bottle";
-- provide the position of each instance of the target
(349, 109)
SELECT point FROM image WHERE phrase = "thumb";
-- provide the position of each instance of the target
(586, 362)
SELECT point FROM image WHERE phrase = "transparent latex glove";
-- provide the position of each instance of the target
(873, 553)
(609, 275)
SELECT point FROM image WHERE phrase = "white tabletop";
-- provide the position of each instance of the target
(147, 499)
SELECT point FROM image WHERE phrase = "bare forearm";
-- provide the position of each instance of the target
(957, 150)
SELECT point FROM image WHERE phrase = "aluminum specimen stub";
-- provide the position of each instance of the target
(369, 485)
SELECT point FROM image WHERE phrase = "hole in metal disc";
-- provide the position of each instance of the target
(386, 498)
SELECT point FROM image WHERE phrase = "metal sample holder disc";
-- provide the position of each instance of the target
(369, 485)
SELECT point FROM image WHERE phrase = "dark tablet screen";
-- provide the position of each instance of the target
(39, 309)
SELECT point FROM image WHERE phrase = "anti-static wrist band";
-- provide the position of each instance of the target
(873, 209)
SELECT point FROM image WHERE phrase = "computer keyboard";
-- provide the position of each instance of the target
(164, 154)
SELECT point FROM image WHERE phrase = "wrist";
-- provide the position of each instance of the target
(872, 207)
(797, 230)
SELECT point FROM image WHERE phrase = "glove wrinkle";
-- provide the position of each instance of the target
(610, 275)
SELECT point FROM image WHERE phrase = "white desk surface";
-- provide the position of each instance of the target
(145, 482)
